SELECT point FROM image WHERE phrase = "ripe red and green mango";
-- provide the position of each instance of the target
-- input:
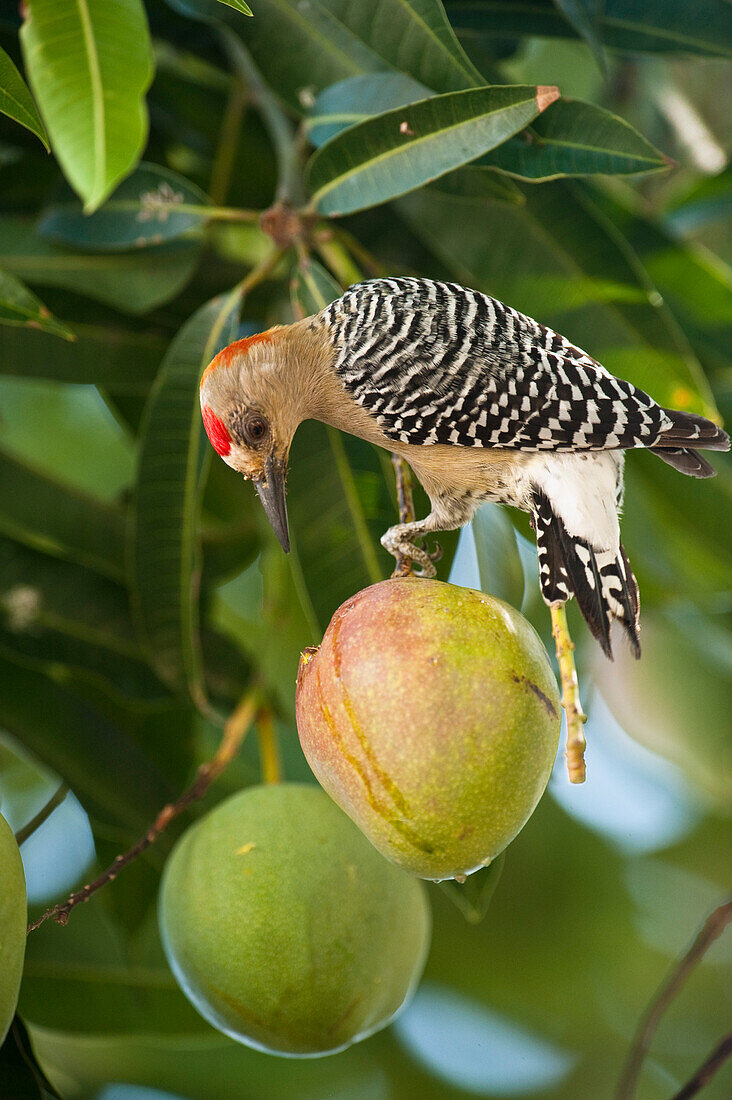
(13, 920)
(285, 928)
(430, 714)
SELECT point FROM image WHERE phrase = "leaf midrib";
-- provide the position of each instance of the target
(95, 76)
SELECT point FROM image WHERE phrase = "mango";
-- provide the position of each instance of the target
(285, 928)
(430, 714)
(13, 921)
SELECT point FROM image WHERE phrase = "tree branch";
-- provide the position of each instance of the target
(713, 927)
(707, 1069)
(234, 733)
(576, 717)
(43, 814)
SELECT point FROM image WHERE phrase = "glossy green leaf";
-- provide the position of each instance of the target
(132, 283)
(403, 149)
(48, 516)
(350, 101)
(238, 5)
(633, 25)
(101, 354)
(478, 183)
(574, 138)
(89, 64)
(16, 101)
(164, 552)
(21, 309)
(313, 288)
(145, 210)
(499, 562)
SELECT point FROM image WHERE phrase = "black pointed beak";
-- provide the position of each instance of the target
(271, 491)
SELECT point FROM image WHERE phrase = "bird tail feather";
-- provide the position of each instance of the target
(602, 581)
(679, 445)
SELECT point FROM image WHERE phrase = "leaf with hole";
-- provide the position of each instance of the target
(403, 149)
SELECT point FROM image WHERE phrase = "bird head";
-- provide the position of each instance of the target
(250, 414)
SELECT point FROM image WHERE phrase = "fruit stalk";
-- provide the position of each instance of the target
(235, 730)
(405, 503)
(576, 717)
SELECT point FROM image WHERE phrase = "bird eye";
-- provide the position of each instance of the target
(256, 429)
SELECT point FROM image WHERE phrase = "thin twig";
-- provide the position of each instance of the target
(405, 502)
(713, 927)
(576, 717)
(234, 733)
(43, 814)
(707, 1069)
(269, 752)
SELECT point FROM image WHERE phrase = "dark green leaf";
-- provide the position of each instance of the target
(313, 288)
(145, 210)
(403, 149)
(352, 100)
(481, 184)
(53, 518)
(584, 16)
(16, 101)
(163, 546)
(238, 5)
(89, 64)
(574, 138)
(102, 764)
(633, 25)
(21, 309)
(133, 283)
(102, 355)
(22, 1077)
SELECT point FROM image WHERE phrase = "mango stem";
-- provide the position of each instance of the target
(269, 752)
(576, 717)
(405, 501)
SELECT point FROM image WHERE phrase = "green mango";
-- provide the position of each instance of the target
(285, 928)
(430, 713)
(13, 922)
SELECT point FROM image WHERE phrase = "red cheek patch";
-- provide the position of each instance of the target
(216, 431)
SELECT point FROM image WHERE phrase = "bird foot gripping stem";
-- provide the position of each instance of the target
(576, 717)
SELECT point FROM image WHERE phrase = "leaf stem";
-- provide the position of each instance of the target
(713, 927)
(235, 730)
(269, 752)
(43, 814)
(576, 717)
(707, 1069)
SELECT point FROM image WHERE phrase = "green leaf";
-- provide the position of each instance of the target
(703, 27)
(21, 309)
(101, 355)
(238, 5)
(89, 63)
(164, 553)
(574, 138)
(499, 561)
(481, 184)
(21, 1074)
(16, 101)
(584, 15)
(132, 283)
(51, 517)
(404, 149)
(313, 288)
(350, 101)
(59, 615)
(145, 210)
(101, 762)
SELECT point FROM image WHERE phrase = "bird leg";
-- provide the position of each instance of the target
(576, 717)
(400, 541)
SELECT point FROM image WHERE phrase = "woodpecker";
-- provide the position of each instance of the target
(483, 402)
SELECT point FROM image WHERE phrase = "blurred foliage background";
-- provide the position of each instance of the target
(141, 592)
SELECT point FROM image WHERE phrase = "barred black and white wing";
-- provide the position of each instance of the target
(434, 362)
